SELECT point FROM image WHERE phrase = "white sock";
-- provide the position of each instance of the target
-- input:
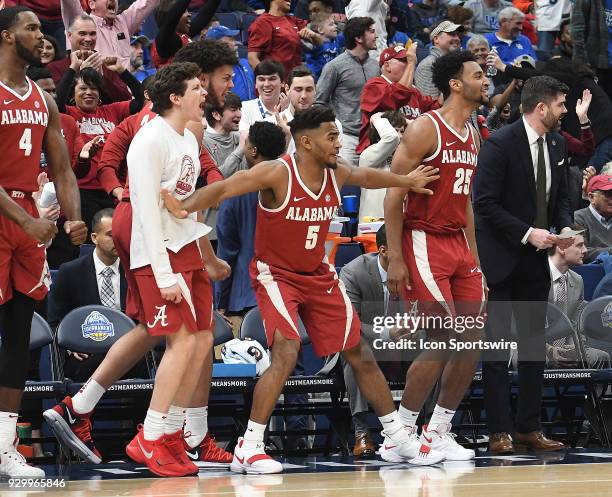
(440, 416)
(175, 419)
(254, 434)
(393, 428)
(196, 425)
(408, 417)
(87, 397)
(153, 428)
(8, 428)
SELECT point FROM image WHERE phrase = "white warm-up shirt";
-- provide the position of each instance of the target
(159, 157)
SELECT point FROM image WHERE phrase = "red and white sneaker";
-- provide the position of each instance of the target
(208, 451)
(73, 430)
(253, 461)
(442, 440)
(158, 455)
(410, 450)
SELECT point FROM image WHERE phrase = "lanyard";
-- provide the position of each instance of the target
(262, 111)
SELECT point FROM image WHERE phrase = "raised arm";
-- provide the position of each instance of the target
(417, 143)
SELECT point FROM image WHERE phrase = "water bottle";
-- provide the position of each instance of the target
(492, 70)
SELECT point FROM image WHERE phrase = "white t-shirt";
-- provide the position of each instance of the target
(159, 157)
(252, 112)
(549, 13)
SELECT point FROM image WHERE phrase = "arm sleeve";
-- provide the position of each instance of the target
(585, 147)
(210, 172)
(63, 89)
(113, 154)
(167, 42)
(578, 28)
(376, 155)
(260, 36)
(136, 88)
(233, 163)
(326, 84)
(70, 9)
(203, 17)
(146, 165)
(379, 95)
(562, 216)
(136, 13)
(523, 73)
(228, 248)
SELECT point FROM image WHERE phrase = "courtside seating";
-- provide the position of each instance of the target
(591, 276)
(346, 252)
(229, 20)
(247, 20)
(86, 248)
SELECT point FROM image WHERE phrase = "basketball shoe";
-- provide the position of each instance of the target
(14, 465)
(253, 461)
(208, 451)
(442, 440)
(410, 450)
(160, 455)
(73, 430)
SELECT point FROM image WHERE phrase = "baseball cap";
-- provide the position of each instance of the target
(601, 182)
(142, 39)
(397, 52)
(219, 32)
(525, 59)
(446, 27)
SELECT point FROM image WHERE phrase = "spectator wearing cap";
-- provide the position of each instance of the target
(277, 34)
(462, 16)
(508, 41)
(244, 79)
(597, 217)
(82, 36)
(486, 13)
(114, 29)
(377, 10)
(176, 27)
(137, 66)
(343, 79)
(444, 38)
(392, 90)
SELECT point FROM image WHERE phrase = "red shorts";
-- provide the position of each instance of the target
(144, 302)
(444, 276)
(23, 261)
(319, 298)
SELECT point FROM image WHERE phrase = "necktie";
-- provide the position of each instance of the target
(541, 220)
(561, 302)
(107, 294)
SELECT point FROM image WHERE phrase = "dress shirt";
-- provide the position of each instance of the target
(532, 139)
(555, 277)
(100, 267)
(606, 223)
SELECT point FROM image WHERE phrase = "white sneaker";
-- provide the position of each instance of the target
(411, 450)
(253, 461)
(442, 440)
(14, 465)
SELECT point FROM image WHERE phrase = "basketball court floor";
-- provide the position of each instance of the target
(575, 472)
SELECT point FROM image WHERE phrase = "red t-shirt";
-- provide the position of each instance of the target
(102, 122)
(158, 60)
(380, 94)
(50, 10)
(277, 38)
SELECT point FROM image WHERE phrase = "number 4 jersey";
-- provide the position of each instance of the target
(23, 125)
(455, 157)
(292, 236)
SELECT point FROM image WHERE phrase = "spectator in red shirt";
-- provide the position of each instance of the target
(392, 90)
(277, 35)
(94, 120)
(82, 35)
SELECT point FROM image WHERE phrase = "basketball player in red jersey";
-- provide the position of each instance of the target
(299, 195)
(29, 124)
(433, 259)
(71, 418)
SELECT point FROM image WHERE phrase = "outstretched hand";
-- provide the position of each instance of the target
(422, 176)
(173, 205)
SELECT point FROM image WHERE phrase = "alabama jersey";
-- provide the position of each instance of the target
(455, 157)
(292, 236)
(23, 125)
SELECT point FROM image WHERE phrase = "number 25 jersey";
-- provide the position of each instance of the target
(455, 157)
(292, 236)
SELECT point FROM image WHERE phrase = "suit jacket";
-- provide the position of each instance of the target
(505, 197)
(75, 285)
(365, 290)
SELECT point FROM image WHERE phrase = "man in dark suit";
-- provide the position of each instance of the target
(93, 279)
(520, 192)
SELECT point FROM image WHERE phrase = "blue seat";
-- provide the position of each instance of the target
(229, 20)
(596, 319)
(591, 276)
(223, 331)
(86, 248)
(347, 252)
(252, 327)
(247, 20)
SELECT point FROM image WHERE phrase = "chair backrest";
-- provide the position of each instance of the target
(252, 327)
(92, 329)
(247, 20)
(228, 19)
(591, 276)
(347, 252)
(596, 319)
(41, 334)
(223, 331)
(558, 324)
(86, 248)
